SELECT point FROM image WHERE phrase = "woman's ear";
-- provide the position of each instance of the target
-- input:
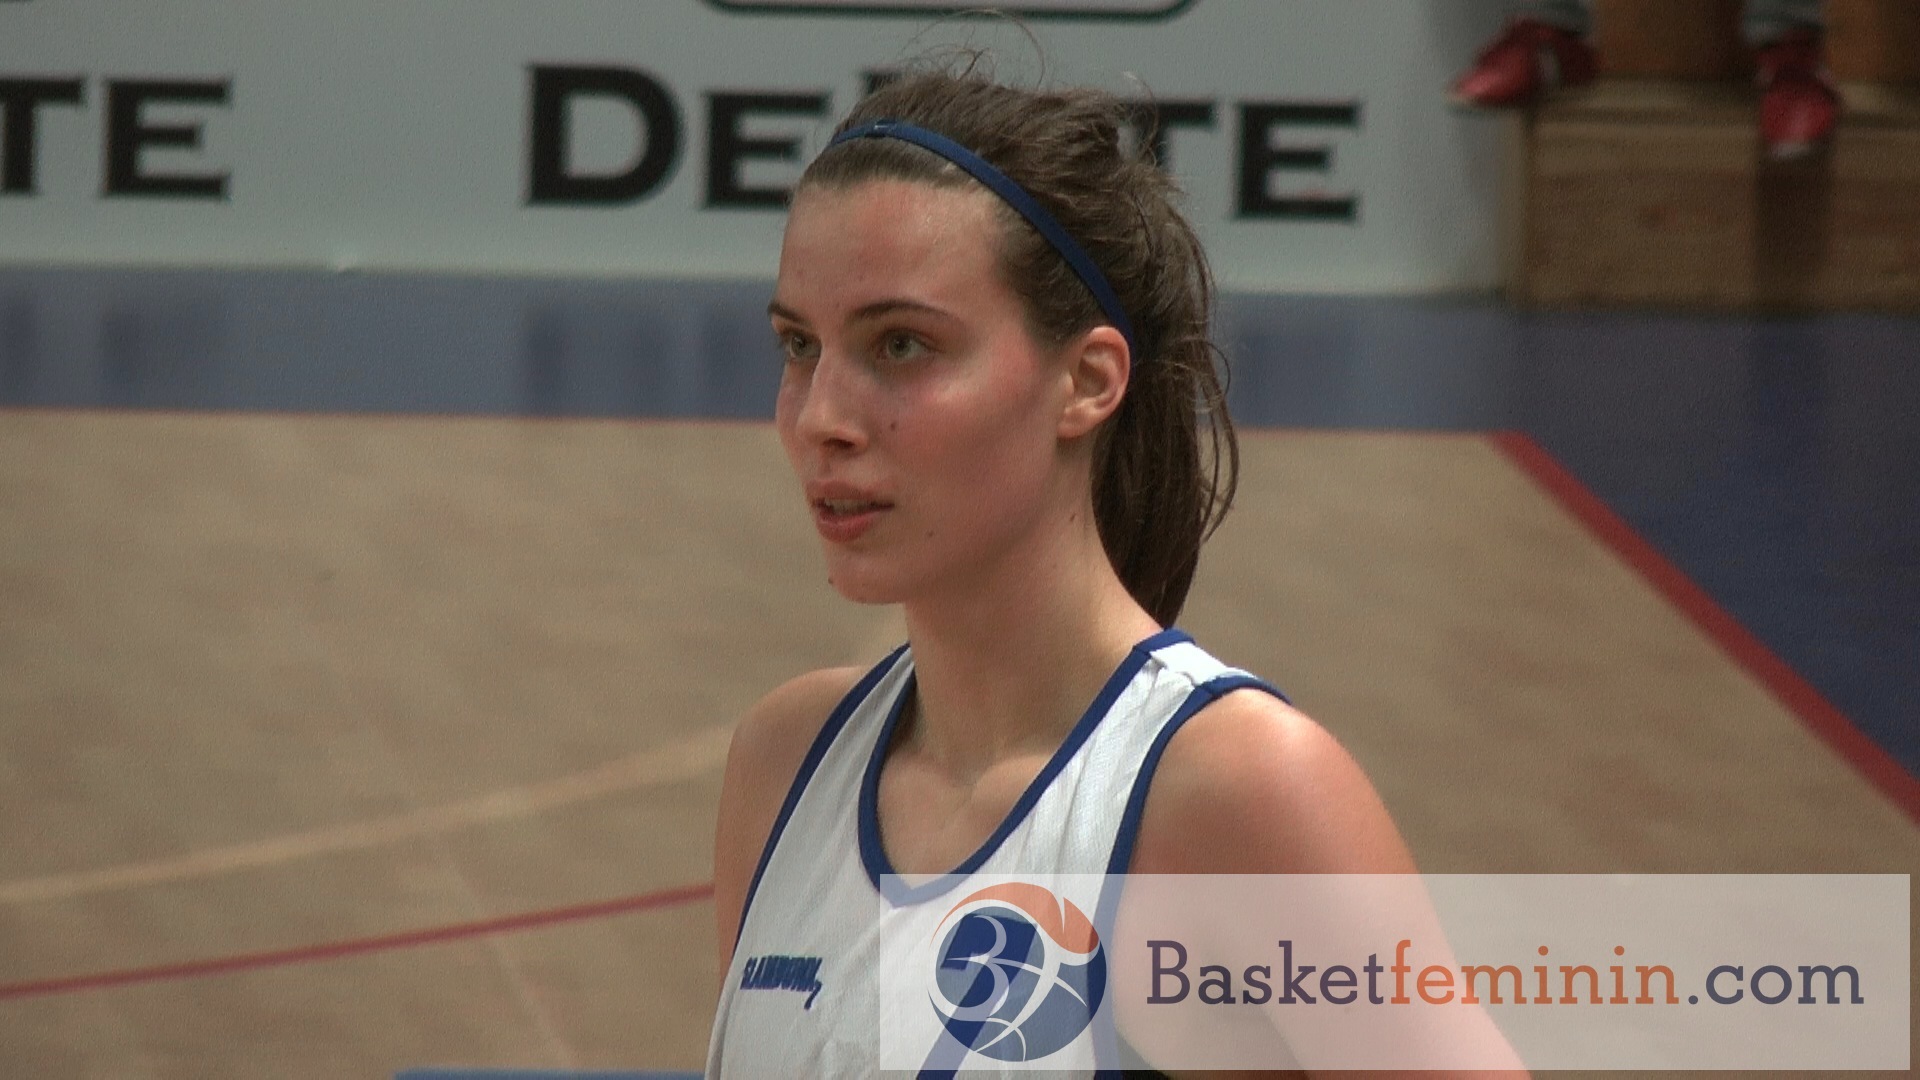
(1098, 364)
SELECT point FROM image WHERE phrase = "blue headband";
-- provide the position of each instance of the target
(1016, 197)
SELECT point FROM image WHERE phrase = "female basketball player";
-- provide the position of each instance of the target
(1001, 404)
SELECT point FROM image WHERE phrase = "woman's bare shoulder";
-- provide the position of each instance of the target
(777, 732)
(768, 747)
(1251, 785)
(769, 744)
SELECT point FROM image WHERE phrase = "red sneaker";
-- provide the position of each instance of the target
(1798, 103)
(1523, 64)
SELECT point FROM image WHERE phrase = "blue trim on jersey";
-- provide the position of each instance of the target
(874, 854)
(1203, 695)
(1109, 1044)
(815, 754)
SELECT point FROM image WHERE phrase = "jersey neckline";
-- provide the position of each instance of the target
(873, 853)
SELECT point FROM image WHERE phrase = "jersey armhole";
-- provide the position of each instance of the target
(1199, 698)
(829, 731)
(1115, 1053)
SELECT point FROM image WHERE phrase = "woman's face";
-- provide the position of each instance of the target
(919, 414)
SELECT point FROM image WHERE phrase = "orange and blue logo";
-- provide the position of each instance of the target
(1019, 972)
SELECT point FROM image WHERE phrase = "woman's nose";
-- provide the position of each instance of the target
(830, 412)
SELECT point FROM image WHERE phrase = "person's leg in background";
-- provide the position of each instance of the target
(1543, 47)
(1571, 15)
(1798, 103)
(1768, 21)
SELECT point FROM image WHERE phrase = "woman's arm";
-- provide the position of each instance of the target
(1252, 786)
(768, 746)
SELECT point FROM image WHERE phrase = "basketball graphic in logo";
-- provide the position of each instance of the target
(1018, 973)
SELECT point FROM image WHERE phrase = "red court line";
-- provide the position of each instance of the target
(1819, 715)
(333, 950)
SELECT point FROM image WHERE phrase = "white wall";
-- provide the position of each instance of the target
(395, 134)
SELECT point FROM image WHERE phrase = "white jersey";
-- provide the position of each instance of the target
(799, 999)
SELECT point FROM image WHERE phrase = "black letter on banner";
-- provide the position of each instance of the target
(1833, 977)
(1293, 983)
(1259, 159)
(1154, 121)
(18, 100)
(1786, 985)
(1158, 998)
(727, 147)
(550, 182)
(1220, 981)
(128, 134)
(1345, 980)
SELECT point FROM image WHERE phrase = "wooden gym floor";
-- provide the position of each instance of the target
(342, 739)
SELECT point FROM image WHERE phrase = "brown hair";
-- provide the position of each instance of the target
(1166, 463)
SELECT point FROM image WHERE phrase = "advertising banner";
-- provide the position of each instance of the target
(660, 137)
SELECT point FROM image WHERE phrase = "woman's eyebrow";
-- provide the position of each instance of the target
(876, 309)
(893, 304)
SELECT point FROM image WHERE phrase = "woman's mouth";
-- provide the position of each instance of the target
(843, 521)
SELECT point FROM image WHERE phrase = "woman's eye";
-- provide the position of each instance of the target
(796, 346)
(900, 345)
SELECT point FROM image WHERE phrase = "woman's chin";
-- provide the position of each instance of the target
(863, 588)
(863, 592)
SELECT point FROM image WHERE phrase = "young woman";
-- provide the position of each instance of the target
(1002, 407)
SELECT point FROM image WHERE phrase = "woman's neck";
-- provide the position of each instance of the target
(1007, 667)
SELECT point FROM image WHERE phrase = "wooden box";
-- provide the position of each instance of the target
(1657, 193)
